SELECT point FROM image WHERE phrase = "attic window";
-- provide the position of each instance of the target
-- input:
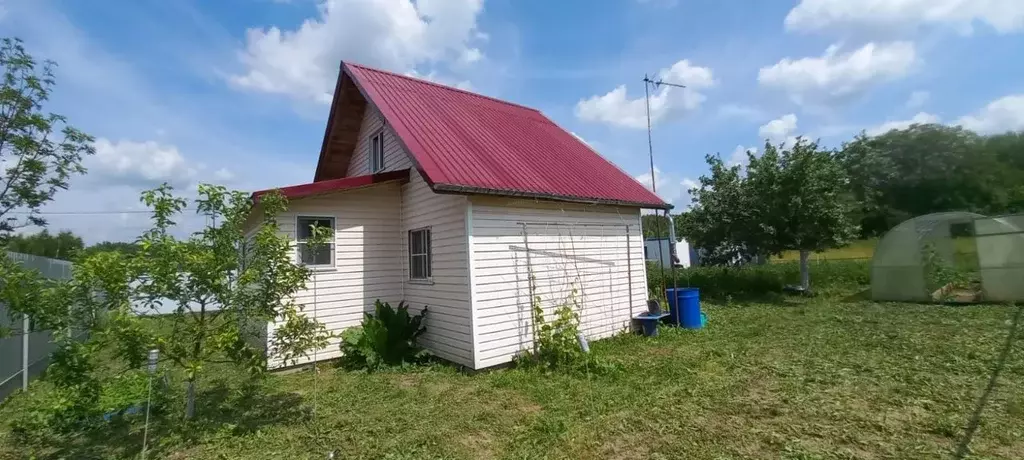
(377, 152)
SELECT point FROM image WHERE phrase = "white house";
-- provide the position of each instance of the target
(449, 199)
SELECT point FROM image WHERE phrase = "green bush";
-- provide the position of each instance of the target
(50, 411)
(386, 338)
(754, 281)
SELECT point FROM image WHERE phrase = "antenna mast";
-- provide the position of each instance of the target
(654, 181)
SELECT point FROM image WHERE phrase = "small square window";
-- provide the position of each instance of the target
(419, 254)
(314, 255)
(377, 153)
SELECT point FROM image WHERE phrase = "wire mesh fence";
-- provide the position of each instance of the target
(25, 353)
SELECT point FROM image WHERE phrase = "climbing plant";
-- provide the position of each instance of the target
(557, 338)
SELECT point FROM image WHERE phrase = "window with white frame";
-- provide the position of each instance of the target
(314, 255)
(377, 152)
(419, 254)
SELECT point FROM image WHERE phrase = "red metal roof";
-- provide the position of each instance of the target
(335, 185)
(465, 142)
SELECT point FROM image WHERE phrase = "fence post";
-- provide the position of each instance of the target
(24, 352)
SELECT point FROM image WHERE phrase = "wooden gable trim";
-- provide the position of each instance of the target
(342, 131)
(395, 126)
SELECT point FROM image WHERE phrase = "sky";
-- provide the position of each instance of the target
(237, 92)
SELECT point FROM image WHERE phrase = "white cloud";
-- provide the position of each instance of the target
(1003, 114)
(834, 77)
(471, 55)
(464, 85)
(581, 139)
(779, 130)
(106, 94)
(1004, 16)
(739, 156)
(396, 35)
(919, 119)
(139, 163)
(617, 109)
(672, 188)
(104, 203)
(223, 175)
(917, 99)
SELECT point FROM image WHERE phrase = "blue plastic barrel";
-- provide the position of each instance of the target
(684, 307)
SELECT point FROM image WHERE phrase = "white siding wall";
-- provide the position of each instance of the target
(368, 257)
(395, 157)
(595, 256)
(449, 318)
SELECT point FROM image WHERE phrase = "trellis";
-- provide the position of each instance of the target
(597, 274)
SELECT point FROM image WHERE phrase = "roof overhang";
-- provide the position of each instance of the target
(463, 190)
(336, 185)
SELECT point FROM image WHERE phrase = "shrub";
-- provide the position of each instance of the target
(386, 338)
(50, 411)
(753, 281)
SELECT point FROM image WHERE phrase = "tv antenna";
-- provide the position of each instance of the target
(647, 103)
(648, 84)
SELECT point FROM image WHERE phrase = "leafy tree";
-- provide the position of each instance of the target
(64, 245)
(216, 283)
(719, 220)
(39, 152)
(789, 199)
(798, 201)
(929, 168)
(654, 225)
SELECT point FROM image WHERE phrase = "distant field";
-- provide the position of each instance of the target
(865, 249)
(860, 249)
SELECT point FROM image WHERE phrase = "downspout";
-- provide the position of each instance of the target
(672, 258)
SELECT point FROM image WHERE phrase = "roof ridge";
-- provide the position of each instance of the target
(451, 88)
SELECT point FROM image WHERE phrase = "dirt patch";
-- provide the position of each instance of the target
(479, 445)
(625, 447)
(407, 381)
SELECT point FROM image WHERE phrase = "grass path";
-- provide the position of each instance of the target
(800, 380)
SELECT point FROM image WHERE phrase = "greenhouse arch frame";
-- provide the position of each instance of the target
(928, 256)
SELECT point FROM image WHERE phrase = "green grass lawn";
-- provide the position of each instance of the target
(814, 379)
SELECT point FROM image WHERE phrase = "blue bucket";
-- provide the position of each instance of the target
(684, 307)
(649, 323)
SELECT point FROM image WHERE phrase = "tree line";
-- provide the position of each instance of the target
(918, 170)
(808, 198)
(65, 245)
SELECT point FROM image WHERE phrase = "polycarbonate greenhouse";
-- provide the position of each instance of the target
(951, 256)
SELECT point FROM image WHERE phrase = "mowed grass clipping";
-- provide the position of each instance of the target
(797, 379)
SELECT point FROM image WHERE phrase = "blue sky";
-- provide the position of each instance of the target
(237, 91)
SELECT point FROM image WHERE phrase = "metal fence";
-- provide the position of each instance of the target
(25, 354)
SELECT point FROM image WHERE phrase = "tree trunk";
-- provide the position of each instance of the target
(190, 400)
(805, 271)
